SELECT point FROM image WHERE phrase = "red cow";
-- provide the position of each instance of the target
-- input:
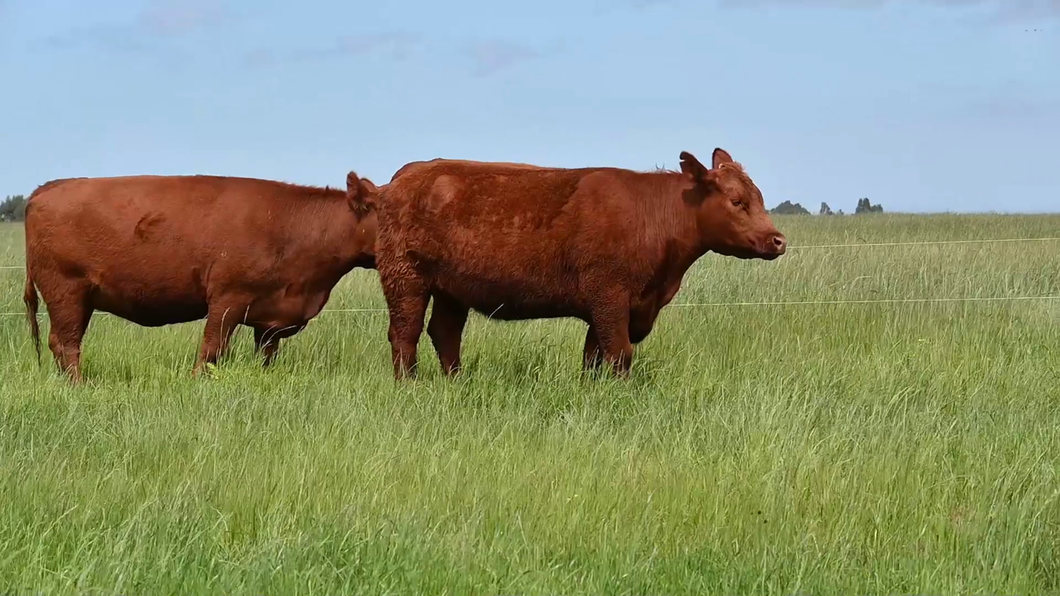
(159, 250)
(608, 246)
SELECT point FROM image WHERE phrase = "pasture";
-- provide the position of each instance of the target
(866, 447)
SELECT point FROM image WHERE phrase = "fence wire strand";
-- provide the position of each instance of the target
(926, 243)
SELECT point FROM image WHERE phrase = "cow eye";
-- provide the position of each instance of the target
(737, 203)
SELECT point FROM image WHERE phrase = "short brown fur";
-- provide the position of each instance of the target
(608, 246)
(160, 250)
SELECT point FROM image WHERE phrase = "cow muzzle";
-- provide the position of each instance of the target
(774, 246)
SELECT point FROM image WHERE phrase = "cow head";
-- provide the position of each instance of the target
(362, 196)
(730, 215)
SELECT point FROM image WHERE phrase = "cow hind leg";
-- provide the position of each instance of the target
(591, 356)
(266, 344)
(220, 324)
(445, 329)
(610, 319)
(69, 319)
(407, 302)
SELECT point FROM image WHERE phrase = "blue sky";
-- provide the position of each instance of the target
(921, 105)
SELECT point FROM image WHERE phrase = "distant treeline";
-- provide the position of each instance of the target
(13, 208)
(789, 208)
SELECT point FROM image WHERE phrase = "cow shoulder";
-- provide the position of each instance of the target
(609, 204)
(610, 187)
(411, 167)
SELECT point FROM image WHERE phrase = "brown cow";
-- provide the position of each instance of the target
(608, 246)
(159, 250)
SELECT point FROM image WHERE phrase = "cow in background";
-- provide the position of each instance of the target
(160, 250)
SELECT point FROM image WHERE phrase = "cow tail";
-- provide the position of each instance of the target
(30, 298)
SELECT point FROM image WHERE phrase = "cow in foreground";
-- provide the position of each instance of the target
(159, 250)
(608, 246)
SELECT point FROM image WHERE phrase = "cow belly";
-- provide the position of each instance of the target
(525, 311)
(148, 299)
(509, 300)
(154, 312)
(287, 309)
(502, 277)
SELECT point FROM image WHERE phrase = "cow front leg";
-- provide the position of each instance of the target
(610, 319)
(220, 324)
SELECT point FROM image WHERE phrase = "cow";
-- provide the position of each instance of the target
(606, 245)
(161, 250)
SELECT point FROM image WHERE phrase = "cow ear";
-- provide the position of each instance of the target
(691, 166)
(353, 185)
(700, 175)
(721, 156)
(695, 170)
(360, 192)
(368, 187)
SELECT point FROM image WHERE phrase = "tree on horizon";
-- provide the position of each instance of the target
(13, 208)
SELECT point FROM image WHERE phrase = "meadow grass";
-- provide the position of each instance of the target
(818, 448)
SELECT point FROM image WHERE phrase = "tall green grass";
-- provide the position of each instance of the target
(813, 448)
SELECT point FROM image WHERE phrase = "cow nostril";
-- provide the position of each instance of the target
(779, 242)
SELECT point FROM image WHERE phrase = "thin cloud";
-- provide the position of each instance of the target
(603, 7)
(494, 55)
(1021, 101)
(158, 19)
(641, 4)
(1001, 10)
(177, 17)
(1026, 10)
(397, 46)
(112, 38)
(1014, 107)
(5, 18)
(1012, 101)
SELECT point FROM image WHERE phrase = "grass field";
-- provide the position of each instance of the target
(812, 448)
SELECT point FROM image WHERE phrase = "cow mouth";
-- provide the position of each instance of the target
(750, 255)
(755, 253)
(767, 250)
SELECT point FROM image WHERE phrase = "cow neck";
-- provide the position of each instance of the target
(670, 232)
(685, 239)
(344, 232)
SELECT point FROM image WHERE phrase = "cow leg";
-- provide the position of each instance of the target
(591, 356)
(611, 321)
(407, 303)
(445, 329)
(640, 327)
(220, 324)
(69, 319)
(266, 344)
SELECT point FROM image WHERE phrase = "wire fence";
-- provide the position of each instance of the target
(785, 302)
